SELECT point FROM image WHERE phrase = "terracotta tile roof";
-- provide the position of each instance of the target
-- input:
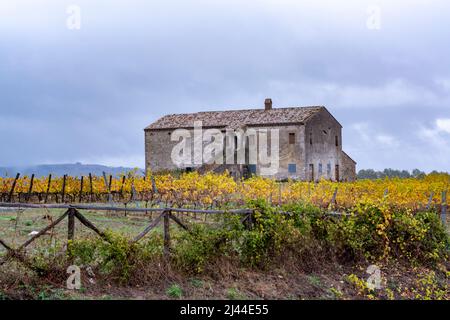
(236, 118)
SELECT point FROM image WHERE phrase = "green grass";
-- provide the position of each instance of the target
(235, 294)
(17, 227)
(196, 283)
(174, 291)
(7, 218)
(314, 280)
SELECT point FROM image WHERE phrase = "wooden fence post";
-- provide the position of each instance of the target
(30, 189)
(71, 225)
(91, 187)
(108, 185)
(249, 220)
(110, 198)
(105, 180)
(167, 233)
(11, 193)
(444, 208)
(123, 185)
(133, 196)
(48, 187)
(81, 188)
(64, 189)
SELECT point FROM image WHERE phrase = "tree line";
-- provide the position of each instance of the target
(392, 173)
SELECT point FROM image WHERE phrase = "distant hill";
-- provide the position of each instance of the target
(58, 170)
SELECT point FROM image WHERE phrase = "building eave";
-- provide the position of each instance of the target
(345, 154)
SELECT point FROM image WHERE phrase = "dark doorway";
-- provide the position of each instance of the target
(336, 174)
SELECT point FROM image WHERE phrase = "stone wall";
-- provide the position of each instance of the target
(289, 153)
(323, 154)
(317, 143)
(158, 150)
(348, 168)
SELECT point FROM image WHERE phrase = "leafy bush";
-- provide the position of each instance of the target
(359, 235)
(117, 255)
(305, 216)
(254, 242)
(194, 249)
(271, 232)
(421, 236)
(369, 232)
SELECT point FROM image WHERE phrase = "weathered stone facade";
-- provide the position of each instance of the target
(310, 142)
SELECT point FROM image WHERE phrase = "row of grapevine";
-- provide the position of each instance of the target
(219, 190)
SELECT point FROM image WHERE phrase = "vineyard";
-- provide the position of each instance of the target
(215, 191)
(162, 228)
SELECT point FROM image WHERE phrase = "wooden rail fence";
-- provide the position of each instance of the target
(73, 212)
(166, 215)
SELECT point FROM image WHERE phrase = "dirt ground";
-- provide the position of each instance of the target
(329, 282)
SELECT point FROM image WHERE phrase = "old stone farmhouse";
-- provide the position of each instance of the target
(310, 142)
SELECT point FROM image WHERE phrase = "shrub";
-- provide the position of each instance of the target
(270, 233)
(194, 249)
(420, 237)
(359, 235)
(116, 256)
(370, 232)
(305, 216)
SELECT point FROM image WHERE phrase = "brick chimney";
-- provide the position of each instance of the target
(268, 104)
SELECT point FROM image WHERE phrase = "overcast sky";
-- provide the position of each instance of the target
(69, 95)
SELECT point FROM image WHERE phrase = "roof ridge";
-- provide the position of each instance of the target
(236, 110)
(260, 109)
(243, 116)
